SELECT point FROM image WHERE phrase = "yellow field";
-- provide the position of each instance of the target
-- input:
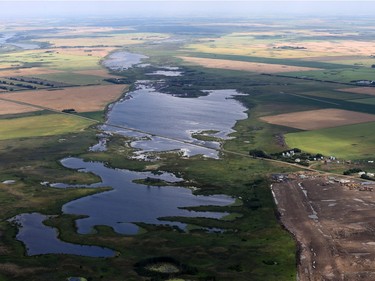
(110, 41)
(319, 119)
(82, 99)
(44, 125)
(7, 107)
(245, 66)
(248, 44)
(363, 90)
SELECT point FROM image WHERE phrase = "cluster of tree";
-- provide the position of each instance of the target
(352, 171)
(32, 81)
(367, 177)
(17, 84)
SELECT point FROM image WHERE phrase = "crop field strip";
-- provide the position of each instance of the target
(245, 66)
(82, 99)
(318, 119)
(289, 62)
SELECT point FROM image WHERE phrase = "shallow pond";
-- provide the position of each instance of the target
(130, 202)
(122, 60)
(41, 239)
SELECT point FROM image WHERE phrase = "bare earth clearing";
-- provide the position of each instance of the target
(334, 227)
(245, 66)
(7, 107)
(319, 119)
(82, 99)
(363, 90)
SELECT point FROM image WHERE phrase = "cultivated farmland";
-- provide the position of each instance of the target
(347, 142)
(7, 107)
(318, 119)
(44, 125)
(82, 99)
(244, 66)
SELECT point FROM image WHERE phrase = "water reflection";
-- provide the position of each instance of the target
(41, 239)
(130, 202)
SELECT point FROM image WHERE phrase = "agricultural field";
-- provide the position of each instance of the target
(38, 126)
(8, 107)
(82, 99)
(319, 119)
(346, 142)
(244, 66)
(108, 40)
(363, 90)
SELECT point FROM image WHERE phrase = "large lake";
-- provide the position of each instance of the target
(168, 118)
(162, 122)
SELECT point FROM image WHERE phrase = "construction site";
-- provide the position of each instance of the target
(333, 222)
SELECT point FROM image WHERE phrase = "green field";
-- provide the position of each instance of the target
(53, 60)
(370, 101)
(72, 78)
(338, 75)
(44, 125)
(346, 142)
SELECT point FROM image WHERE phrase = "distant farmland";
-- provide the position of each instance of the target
(82, 99)
(347, 142)
(318, 119)
(45, 125)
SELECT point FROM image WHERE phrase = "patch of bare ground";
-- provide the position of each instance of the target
(245, 66)
(334, 226)
(27, 71)
(319, 119)
(7, 107)
(362, 90)
(82, 99)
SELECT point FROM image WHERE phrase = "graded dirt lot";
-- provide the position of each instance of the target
(363, 90)
(245, 66)
(319, 119)
(7, 107)
(82, 99)
(334, 227)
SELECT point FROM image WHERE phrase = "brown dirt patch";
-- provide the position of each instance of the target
(319, 119)
(82, 99)
(333, 225)
(363, 90)
(27, 71)
(245, 66)
(8, 107)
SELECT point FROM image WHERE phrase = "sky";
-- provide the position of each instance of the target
(179, 8)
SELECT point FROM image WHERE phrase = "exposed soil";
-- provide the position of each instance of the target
(319, 119)
(334, 226)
